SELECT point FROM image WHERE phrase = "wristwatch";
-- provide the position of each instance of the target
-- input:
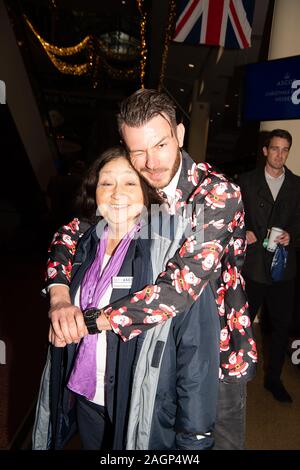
(90, 316)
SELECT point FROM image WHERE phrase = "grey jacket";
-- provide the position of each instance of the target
(175, 387)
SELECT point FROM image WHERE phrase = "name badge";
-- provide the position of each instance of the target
(122, 282)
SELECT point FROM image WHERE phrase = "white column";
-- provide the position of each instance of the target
(198, 131)
(22, 104)
(285, 42)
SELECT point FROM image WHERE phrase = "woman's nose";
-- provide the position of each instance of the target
(119, 193)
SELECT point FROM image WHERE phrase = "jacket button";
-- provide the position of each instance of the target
(261, 204)
(111, 379)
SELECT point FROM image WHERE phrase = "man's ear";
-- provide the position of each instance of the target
(265, 151)
(180, 131)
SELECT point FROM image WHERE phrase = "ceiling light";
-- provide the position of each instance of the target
(181, 89)
(227, 106)
(191, 66)
(218, 114)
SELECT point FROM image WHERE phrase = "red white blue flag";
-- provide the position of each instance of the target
(226, 23)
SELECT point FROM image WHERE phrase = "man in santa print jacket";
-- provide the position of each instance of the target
(213, 251)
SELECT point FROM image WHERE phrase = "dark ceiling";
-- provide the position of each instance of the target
(80, 110)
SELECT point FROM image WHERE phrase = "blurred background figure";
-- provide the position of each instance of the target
(271, 197)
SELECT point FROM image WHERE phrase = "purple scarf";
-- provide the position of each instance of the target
(95, 283)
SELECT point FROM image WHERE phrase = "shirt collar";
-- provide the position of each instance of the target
(267, 175)
(170, 189)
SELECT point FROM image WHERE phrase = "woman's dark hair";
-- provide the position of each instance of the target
(86, 200)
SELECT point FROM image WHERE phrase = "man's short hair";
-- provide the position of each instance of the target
(283, 134)
(143, 105)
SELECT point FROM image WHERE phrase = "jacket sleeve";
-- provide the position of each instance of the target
(242, 182)
(61, 252)
(217, 210)
(186, 441)
(294, 227)
(197, 386)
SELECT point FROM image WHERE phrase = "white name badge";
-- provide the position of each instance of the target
(122, 282)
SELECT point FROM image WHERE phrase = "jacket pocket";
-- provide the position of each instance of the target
(167, 413)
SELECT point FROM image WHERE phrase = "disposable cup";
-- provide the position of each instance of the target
(275, 232)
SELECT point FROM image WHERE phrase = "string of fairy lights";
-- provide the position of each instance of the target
(143, 23)
(168, 38)
(95, 53)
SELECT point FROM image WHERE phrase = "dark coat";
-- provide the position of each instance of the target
(120, 355)
(188, 384)
(187, 390)
(262, 213)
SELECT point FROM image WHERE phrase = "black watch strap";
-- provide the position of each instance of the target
(90, 316)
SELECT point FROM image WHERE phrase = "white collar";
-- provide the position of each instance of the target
(170, 190)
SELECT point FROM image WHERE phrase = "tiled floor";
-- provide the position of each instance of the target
(271, 424)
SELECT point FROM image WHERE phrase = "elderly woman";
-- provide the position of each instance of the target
(94, 377)
(168, 376)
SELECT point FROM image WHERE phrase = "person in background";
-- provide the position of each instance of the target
(271, 196)
(212, 252)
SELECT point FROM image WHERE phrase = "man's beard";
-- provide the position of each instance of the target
(174, 170)
(176, 164)
(277, 165)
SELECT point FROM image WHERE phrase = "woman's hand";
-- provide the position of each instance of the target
(67, 323)
(53, 339)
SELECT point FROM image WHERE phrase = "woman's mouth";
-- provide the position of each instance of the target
(119, 206)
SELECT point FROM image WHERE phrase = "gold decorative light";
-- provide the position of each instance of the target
(54, 51)
(143, 23)
(70, 69)
(60, 51)
(95, 51)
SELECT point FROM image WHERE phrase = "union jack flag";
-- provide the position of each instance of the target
(224, 23)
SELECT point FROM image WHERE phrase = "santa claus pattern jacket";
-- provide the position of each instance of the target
(213, 251)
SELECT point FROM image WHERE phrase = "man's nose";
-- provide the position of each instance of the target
(152, 161)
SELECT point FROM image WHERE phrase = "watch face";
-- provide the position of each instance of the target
(90, 316)
(92, 312)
